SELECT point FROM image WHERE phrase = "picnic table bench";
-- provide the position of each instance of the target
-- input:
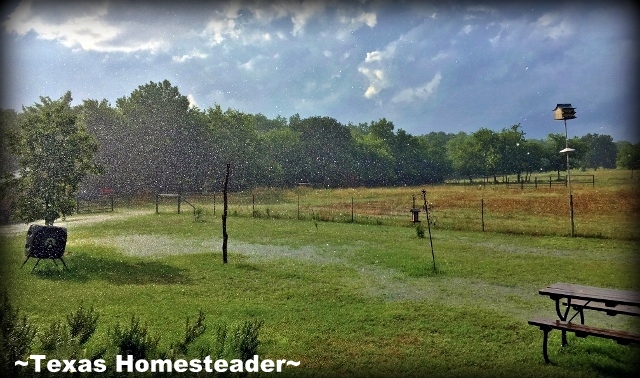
(578, 298)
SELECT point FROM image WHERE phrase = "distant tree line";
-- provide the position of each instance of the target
(153, 141)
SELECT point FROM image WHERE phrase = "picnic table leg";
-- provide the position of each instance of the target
(545, 338)
(563, 317)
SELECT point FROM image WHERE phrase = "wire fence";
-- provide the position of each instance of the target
(498, 208)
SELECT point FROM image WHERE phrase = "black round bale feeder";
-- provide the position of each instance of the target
(45, 242)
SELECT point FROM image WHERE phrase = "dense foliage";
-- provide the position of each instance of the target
(54, 153)
(153, 141)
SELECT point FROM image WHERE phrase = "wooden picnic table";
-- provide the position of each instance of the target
(578, 298)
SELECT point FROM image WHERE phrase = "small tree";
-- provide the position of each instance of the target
(55, 152)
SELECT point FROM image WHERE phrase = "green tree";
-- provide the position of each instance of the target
(55, 152)
(466, 156)
(628, 156)
(512, 151)
(488, 152)
(601, 151)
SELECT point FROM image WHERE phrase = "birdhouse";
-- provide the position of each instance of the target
(414, 215)
(563, 112)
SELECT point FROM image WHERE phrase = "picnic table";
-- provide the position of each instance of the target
(578, 298)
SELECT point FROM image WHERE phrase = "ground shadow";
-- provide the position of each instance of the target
(83, 267)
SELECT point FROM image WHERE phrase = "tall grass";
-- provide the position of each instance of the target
(608, 209)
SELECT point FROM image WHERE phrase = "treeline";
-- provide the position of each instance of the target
(153, 141)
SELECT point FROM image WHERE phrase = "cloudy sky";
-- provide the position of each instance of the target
(426, 66)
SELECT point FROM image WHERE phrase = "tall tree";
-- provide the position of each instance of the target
(628, 156)
(55, 152)
(466, 155)
(161, 137)
(601, 151)
(512, 151)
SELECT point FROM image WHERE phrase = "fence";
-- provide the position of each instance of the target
(492, 208)
(537, 182)
(96, 204)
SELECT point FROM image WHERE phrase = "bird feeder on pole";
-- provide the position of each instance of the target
(563, 112)
(414, 212)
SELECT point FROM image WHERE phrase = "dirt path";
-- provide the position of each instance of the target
(74, 220)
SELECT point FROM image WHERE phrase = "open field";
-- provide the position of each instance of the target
(347, 299)
(607, 209)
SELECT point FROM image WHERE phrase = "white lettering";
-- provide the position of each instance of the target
(236, 366)
(142, 366)
(85, 366)
(99, 366)
(180, 366)
(195, 366)
(280, 363)
(68, 366)
(220, 366)
(128, 363)
(267, 366)
(37, 358)
(161, 366)
(252, 366)
(53, 366)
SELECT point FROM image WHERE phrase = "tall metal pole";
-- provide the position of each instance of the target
(566, 144)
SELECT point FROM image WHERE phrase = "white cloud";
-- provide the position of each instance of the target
(217, 30)
(250, 65)
(441, 55)
(302, 12)
(186, 57)
(377, 81)
(418, 93)
(83, 26)
(373, 56)
(192, 100)
(466, 29)
(549, 25)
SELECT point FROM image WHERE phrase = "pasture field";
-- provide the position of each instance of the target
(348, 299)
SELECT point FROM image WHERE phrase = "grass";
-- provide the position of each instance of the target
(609, 209)
(345, 299)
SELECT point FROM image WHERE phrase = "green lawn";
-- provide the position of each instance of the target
(344, 299)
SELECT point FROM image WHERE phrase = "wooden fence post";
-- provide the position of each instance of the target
(482, 211)
(225, 236)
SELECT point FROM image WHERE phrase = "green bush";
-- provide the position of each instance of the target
(134, 340)
(16, 336)
(245, 339)
(82, 324)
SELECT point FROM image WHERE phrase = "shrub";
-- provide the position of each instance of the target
(245, 339)
(16, 336)
(54, 337)
(191, 333)
(134, 340)
(420, 230)
(197, 213)
(82, 324)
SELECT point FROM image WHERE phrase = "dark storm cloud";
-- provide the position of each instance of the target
(451, 67)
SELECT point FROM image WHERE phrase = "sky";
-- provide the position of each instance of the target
(425, 66)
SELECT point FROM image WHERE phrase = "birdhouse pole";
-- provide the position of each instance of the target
(564, 112)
